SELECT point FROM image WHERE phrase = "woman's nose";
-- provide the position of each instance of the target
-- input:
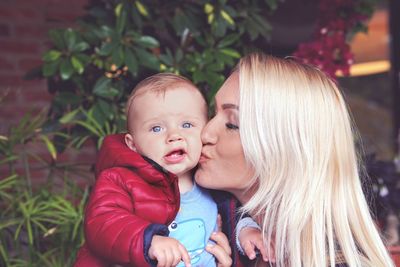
(208, 134)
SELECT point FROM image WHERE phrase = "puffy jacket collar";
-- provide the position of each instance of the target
(115, 153)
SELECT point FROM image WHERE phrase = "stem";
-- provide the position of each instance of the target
(27, 171)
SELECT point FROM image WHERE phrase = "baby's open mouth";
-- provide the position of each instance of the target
(176, 153)
(175, 156)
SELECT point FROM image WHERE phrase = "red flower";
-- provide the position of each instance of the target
(330, 50)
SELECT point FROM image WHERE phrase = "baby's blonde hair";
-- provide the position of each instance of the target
(297, 134)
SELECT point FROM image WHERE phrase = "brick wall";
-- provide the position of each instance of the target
(23, 39)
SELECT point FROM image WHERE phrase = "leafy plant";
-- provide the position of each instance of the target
(41, 223)
(91, 69)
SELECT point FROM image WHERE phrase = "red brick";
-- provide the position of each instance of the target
(57, 14)
(18, 47)
(61, 3)
(36, 31)
(4, 30)
(9, 80)
(6, 64)
(27, 64)
(15, 13)
(9, 95)
(35, 96)
(11, 116)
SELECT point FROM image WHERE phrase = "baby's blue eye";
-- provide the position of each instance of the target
(156, 129)
(187, 125)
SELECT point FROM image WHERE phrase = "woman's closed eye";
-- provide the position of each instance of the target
(231, 126)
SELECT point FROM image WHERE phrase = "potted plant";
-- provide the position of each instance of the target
(385, 178)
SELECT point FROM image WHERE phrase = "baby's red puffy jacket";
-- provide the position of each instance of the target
(131, 201)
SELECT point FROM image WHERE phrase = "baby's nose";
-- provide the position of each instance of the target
(174, 137)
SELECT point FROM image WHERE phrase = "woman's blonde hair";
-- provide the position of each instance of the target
(296, 133)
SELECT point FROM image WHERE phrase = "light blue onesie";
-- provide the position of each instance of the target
(193, 225)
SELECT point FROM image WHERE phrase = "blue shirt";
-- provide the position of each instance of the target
(193, 225)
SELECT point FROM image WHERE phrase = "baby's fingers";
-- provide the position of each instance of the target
(161, 258)
(223, 258)
(221, 239)
(185, 256)
(259, 244)
(249, 250)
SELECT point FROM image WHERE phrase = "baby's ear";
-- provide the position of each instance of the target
(129, 142)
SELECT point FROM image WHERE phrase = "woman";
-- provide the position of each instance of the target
(282, 143)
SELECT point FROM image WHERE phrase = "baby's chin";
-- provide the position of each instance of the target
(180, 170)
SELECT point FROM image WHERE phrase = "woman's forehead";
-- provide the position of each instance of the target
(229, 92)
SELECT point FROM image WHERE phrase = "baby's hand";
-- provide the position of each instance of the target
(168, 251)
(250, 239)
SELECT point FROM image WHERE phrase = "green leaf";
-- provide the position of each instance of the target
(70, 37)
(167, 58)
(85, 59)
(117, 55)
(50, 68)
(57, 37)
(98, 113)
(78, 66)
(8, 182)
(8, 159)
(178, 55)
(103, 88)
(117, 10)
(230, 52)
(101, 85)
(106, 108)
(227, 17)
(208, 8)
(80, 47)
(89, 127)
(67, 118)
(122, 19)
(106, 48)
(228, 40)
(131, 61)
(64, 99)
(219, 27)
(51, 55)
(199, 76)
(50, 146)
(66, 69)
(148, 42)
(147, 59)
(141, 8)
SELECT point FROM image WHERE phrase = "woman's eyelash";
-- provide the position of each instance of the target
(231, 126)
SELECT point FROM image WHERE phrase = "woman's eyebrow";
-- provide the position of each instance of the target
(230, 106)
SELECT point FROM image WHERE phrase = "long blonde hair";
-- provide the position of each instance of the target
(296, 133)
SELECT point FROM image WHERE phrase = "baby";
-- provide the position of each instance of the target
(145, 208)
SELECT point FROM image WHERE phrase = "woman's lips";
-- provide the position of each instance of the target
(175, 157)
(203, 158)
